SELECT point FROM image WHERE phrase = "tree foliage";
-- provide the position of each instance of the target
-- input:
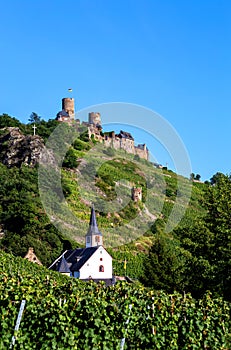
(203, 244)
(34, 118)
(23, 218)
(165, 264)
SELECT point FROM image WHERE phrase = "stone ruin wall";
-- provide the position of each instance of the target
(136, 194)
(127, 145)
(117, 142)
(142, 152)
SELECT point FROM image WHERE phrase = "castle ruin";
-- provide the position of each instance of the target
(123, 140)
(137, 194)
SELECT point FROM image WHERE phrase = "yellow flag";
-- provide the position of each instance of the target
(125, 264)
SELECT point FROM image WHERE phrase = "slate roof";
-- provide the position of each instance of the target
(85, 255)
(125, 135)
(63, 266)
(72, 255)
(62, 113)
(73, 259)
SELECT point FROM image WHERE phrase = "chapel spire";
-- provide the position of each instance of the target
(93, 237)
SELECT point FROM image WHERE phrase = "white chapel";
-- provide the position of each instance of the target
(90, 263)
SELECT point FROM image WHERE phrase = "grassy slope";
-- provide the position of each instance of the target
(106, 180)
(162, 190)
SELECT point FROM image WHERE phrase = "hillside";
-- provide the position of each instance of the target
(108, 186)
(168, 239)
(66, 313)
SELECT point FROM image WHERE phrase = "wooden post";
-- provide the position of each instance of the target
(23, 303)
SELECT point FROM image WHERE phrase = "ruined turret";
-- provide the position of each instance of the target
(137, 194)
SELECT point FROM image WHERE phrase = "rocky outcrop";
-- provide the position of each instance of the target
(17, 149)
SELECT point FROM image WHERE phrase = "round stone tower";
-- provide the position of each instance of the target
(68, 105)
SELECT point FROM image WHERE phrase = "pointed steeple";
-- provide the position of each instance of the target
(94, 236)
(93, 227)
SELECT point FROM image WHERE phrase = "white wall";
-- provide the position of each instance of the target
(91, 267)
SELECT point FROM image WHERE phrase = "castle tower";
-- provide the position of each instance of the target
(68, 105)
(94, 118)
(93, 237)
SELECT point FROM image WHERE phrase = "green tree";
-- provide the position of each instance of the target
(197, 240)
(7, 121)
(192, 176)
(23, 217)
(165, 264)
(218, 204)
(34, 118)
(70, 160)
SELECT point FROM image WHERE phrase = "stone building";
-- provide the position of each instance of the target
(137, 194)
(30, 255)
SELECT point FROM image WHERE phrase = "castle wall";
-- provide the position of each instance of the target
(142, 152)
(119, 143)
(126, 144)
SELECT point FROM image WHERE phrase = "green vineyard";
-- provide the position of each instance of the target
(65, 313)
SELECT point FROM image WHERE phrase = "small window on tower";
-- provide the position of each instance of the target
(101, 268)
(97, 239)
(88, 240)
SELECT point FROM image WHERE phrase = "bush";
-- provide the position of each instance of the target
(70, 160)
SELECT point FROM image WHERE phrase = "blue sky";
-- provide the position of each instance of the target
(173, 57)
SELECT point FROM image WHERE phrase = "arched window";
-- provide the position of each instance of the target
(97, 239)
(101, 268)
